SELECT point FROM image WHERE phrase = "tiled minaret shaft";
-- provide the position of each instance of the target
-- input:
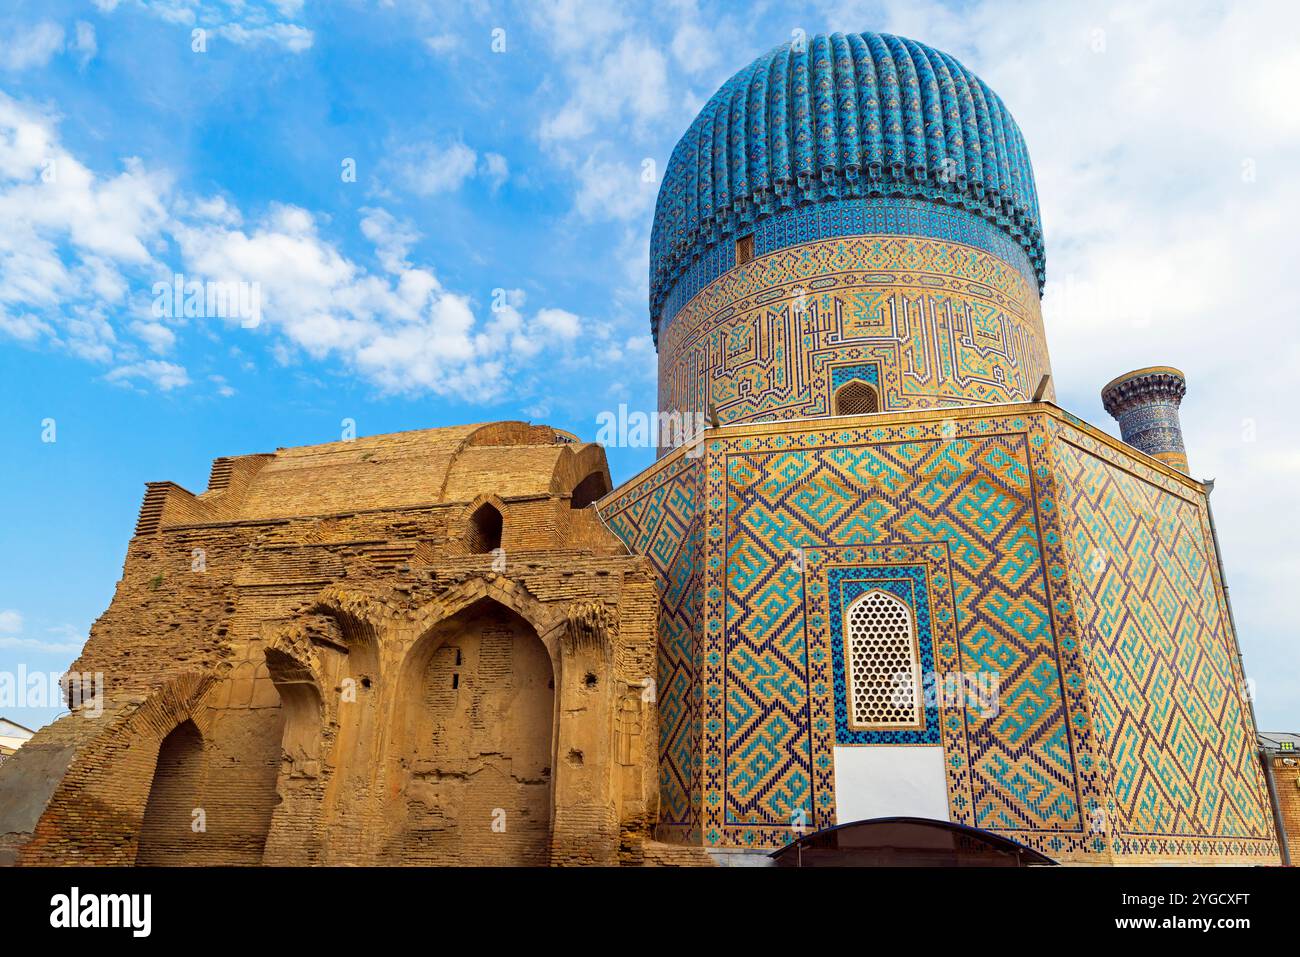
(1145, 404)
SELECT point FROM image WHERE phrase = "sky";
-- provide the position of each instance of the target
(445, 209)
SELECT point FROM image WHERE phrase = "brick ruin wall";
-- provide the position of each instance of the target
(225, 676)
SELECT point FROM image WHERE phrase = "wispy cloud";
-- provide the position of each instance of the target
(243, 22)
(164, 376)
(427, 169)
(64, 639)
(81, 251)
(31, 46)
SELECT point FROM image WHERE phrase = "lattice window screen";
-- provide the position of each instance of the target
(881, 661)
(856, 398)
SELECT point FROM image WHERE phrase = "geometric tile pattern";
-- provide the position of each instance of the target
(892, 216)
(868, 372)
(976, 498)
(657, 516)
(1050, 556)
(835, 219)
(947, 325)
(1167, 692)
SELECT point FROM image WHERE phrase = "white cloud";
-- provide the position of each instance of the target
(32, 46)
(84, 42)
(80, 255)
(239, 21)
(24, 327)
(36, 644)
(495, 170)
(620, 84)
(12, 626)
(576, 26)
(163, 376)
(695, 48)
(627, 85)
(614, 190)
(70, 237)
(158, 337)
(442, 43)
(433, 168)
(427, 169)
(392, 239)
(404, 332)
(560, 323)
(293, 38)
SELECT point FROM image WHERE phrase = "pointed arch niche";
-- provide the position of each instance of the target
(855, 389)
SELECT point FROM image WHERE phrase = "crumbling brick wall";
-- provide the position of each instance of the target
(280, 616)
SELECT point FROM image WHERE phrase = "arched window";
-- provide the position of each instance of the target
(881, 662)
(856, 398)
(590, 489)
(484, 529)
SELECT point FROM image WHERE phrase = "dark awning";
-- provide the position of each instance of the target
(906, 842)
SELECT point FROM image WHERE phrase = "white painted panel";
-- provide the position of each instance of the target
(890, 781)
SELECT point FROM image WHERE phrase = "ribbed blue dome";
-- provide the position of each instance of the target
(862, 114)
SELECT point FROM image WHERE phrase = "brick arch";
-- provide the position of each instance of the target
(350, 716)
(513, 595)
(299, 679)
(360, 618)
(473, 732)
(461, 534)
(168, 834)
(112, 775)
(578, 463)
(183, 698)
(233, 782)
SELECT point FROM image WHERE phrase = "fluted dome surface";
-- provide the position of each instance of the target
(837, 117)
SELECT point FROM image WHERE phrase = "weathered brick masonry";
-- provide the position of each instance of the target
(411, 648)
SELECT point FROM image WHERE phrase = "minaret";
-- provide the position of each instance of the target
(1145, 404)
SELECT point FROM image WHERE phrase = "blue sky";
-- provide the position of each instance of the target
(499, 152)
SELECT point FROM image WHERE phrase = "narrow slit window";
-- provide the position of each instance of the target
(484, 533)
(881, 663)
(744, 249)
